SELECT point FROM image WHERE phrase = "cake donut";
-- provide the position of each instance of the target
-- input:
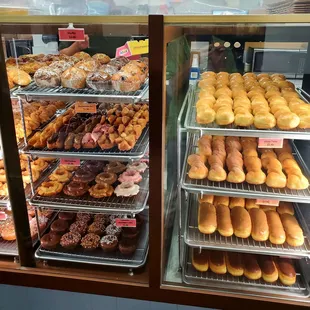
(138, 166)
(50, 188)
(66, 216)
(84, 217)
(109, 243)
(96, 228)
(90, 242)
(127, 189)
(75, 189)
(79, 227)
(115, 167)
(70, 240)
(60, 175)
(106, 177)
(130, 176)
(101, 190)
(59, 227)
(113, 230)
(94, 166)
(50, 241)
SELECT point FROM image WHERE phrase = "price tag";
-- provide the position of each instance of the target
(267, 202)
(270, 143)
(84, 107)
(3, 216)
(71, 34)
(70, 162)
(126, 222)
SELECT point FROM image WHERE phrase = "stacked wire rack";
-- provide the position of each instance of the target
(127, 206)
(190, 189)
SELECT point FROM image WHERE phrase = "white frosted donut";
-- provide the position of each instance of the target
(138, 166)
(127, 189)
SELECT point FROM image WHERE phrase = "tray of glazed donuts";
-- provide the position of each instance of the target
(96, 186)
(218, 164)
(96, 77)
(258, 104)
(96, 239)
(39, 167)
(244, 272)
(241, 225)
(115, 131)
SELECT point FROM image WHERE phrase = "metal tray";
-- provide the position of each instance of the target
(4, 200)
(233, 130)
(193, 237)
(209, 279)
(113, 204)
(136, 153)
(242, 189)
(98, 257)
(33, 91)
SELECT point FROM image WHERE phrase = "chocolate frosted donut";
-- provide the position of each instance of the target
(127, 246)
(50, 241)
(113, 230)
(84, 217)
(93, 166)
(106, 177)
(59, 227)
(70, 240)
(90, 242)
(109, 243)
(102, 218)
(115, 167)
(75, 189)
(66, 216)
(97, 228)
(79, 227)
(130, 232)
(84, 176)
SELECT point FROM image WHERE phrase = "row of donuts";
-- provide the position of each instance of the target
(77, 181)
(89, 231)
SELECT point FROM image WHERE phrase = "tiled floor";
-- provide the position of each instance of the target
(17, 298)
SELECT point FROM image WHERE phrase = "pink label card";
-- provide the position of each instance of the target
(71, 34)
(3, 216)
(126, 222)
(267, 202)
(270, 143)
(70, 161)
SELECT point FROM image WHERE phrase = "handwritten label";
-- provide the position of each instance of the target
(71, 34)
(270, 143)
(125, 222)
(70, 162)
(81, 107)
(3, 216)
(267, 202)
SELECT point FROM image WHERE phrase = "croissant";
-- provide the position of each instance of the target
(198, 169)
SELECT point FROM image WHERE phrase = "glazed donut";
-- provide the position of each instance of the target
(69, 167)
(130, 176)
(2, 176)
(76, 189)
(83, 176)
(60, 175)
(39, 164)
(101, 190)
(8, 231)
(50, 188)
(138, 166)
(106, 177)
(115, 167)
(127, 189)
(26, 176)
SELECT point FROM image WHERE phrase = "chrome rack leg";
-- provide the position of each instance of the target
(130, 272)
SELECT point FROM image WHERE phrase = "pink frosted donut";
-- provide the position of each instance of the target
(130, 176)
(138, 166)
(126, 189)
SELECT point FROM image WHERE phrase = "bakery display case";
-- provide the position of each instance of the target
(236, 169)
(82, 130)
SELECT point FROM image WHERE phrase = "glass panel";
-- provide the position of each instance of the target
(227, 147)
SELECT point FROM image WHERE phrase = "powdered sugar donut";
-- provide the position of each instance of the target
(138, 166)
(127, 189)
(130, 176)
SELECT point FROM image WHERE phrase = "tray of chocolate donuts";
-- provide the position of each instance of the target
(95, 77)
(94, 186)
(260, 104)
(245, 272)
(219, 164)
(238, 224)
(115, 131)
(96, 239)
